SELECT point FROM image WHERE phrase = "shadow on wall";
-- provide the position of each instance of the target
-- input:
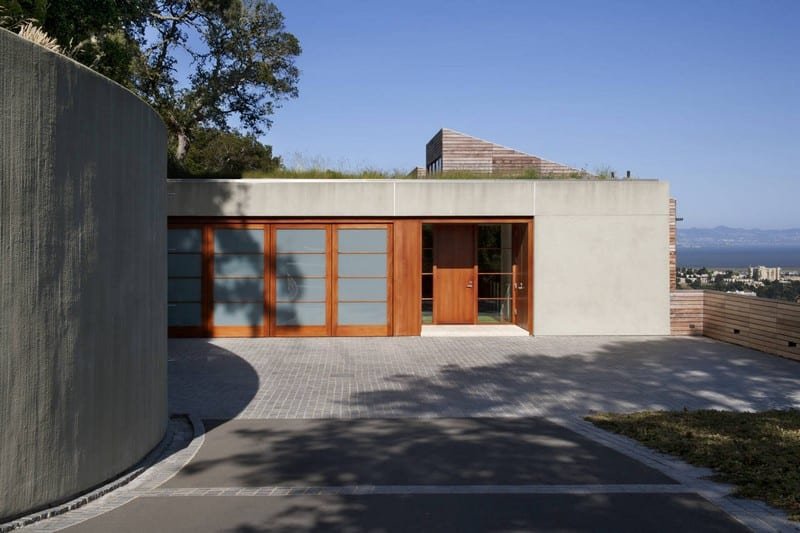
(83, 392)
(238, 280)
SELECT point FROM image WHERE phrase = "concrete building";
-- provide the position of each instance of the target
(763, 273)
(385, 257)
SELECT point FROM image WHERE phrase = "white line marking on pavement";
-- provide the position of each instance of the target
(361, 490)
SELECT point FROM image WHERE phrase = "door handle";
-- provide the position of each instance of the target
(469, 284)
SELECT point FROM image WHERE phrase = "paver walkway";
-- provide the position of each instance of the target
(462, 377)
(415, 434)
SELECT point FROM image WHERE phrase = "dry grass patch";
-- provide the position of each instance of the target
(759, 453)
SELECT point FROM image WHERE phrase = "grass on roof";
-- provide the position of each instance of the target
(373, 174)
(759, 453)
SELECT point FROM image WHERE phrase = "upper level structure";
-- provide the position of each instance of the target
(452, 151)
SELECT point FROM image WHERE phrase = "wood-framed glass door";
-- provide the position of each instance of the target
(301, 283)
(238, 289)
(454, 273)
(362, 279)
(185, 280)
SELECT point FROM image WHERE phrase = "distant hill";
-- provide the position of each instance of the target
(731, 237)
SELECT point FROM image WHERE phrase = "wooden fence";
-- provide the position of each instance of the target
(771, 326)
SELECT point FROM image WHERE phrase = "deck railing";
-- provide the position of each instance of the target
(771, 326)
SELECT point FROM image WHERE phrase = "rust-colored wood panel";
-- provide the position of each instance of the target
(185, 331)
(208, 280)
(454, 283)
(363, 331)
(532, 289)
(237, 331)
(407, 279)
(522, 275)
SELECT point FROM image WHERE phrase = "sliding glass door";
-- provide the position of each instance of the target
(362, 266)
(301, 284)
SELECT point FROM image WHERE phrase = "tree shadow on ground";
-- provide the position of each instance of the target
(618, 375)
(531, 377)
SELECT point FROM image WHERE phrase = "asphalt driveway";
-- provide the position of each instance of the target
(438, 434)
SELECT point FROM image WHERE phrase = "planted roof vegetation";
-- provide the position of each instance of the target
(392, 175)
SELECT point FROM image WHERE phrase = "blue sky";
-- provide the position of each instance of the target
(703, 94)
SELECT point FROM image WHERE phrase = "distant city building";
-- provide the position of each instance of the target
(763, 273)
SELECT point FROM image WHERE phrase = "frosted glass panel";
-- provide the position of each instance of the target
(183, 290)
(183, 314)
(188, 265)
(362, 240)
(300, 289)
(250, 265)
(301, 240)
(362, 265)
(362, 289)
(238, 240)
(238, 314)
(301, 265)
(364, 314)
(239, 290)
(184, 240)
(300, 314)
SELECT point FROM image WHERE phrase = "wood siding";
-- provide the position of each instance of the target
(771, 326)
(673, 243)
(686, 312)
(407, 277)
(464, 153)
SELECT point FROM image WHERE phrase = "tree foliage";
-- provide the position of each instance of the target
(243, 66)
(204, 65)
(101, 34)
(221, 154)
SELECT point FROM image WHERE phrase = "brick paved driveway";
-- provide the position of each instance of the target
(456, 377)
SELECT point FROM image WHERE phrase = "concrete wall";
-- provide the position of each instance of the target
(82, 278)
(601, 256)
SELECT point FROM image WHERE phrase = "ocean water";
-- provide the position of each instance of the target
(786, 257)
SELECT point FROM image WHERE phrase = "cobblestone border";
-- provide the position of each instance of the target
(123, 479)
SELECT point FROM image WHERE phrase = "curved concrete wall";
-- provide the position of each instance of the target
(82, 278)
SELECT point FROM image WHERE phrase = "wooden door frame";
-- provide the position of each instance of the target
(215, 331)
(201, 329)
(324, 330)
(385, 330)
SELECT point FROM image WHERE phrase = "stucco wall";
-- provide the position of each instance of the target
(601, 259)
(601, 256)
(82, 278)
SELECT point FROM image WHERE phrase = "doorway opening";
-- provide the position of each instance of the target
(476, 273)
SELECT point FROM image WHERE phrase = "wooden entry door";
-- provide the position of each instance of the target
(521, 236)
(454, 283)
